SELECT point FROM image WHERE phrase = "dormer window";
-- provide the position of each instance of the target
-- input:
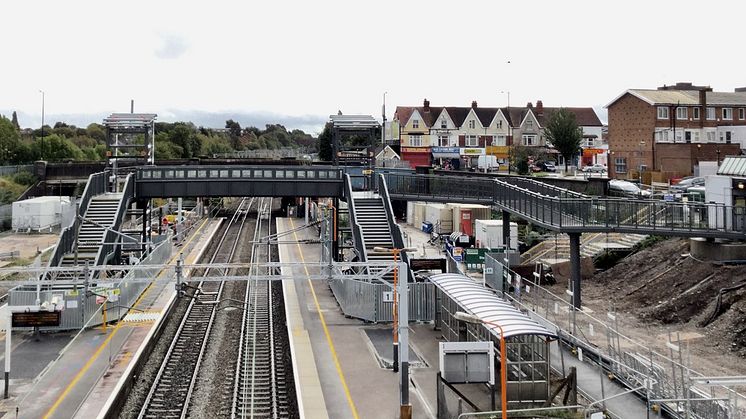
(472, 124)
(443, 123)
(499, 124)
(415, 123)
(529, 123)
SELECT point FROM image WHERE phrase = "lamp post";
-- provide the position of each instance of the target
(639, 164)
(383, 127)
(470, 318)
(717, 150)
(509, 137)
(401, 321)
(42, 123)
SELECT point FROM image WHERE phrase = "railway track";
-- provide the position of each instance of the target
(263, 387)
(170, 393)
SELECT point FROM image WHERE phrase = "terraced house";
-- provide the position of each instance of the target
(672, 128)
(457, 136)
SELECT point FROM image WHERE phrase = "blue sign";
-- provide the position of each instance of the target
(445, 150)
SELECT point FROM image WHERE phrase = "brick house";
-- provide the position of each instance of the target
(461, 134)
(672, 128)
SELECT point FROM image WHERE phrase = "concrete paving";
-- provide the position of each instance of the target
(57, 376)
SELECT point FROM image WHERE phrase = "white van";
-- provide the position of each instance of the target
(488, 162)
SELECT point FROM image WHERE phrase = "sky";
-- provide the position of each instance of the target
(297, 62)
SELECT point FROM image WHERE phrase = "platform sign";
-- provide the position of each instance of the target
(428, 264)
(37, 319)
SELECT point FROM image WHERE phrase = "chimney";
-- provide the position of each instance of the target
(539, 108)
(426, 105)
(529, 105)
(474, 104)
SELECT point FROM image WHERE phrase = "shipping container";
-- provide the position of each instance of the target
(42, 213)
(441, 217)
(464, 215)
(489, 234)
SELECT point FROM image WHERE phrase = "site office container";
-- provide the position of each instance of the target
(489, 234)
(441, 217)
(40, 213)
(464, 215)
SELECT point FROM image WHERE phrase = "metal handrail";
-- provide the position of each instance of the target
(110, 237)
(96, 185)
(587, 214)
(396, 234)
(357, 234)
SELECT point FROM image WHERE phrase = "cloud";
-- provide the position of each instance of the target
(173, 47)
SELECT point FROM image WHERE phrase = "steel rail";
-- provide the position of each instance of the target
(184, 335)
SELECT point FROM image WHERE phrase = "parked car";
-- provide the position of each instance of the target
(596, 168)
(625, 188)
(548, 166)
(686, 183)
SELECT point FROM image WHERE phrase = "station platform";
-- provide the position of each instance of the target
(71, 374)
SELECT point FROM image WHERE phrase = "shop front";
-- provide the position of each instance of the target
(501, 153)
(447, 157)
(470, 156)
(593, 156)
(416, 156)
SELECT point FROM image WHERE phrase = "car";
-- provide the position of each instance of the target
(686, 183)
(548, 166)
(625, 188)
(596, 168)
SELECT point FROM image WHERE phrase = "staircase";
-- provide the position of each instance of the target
(374, 225)
(102, 210)
(592, 245)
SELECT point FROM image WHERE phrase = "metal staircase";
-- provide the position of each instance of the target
(372, 218)
(100, 214)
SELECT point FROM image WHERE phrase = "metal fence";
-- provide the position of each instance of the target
(631, 362)
(578, 214)
(11, 170)
(79, 309)
(373, 302)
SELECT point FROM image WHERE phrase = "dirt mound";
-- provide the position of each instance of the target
(664, 284)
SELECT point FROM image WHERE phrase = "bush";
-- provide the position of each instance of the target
(24, 178)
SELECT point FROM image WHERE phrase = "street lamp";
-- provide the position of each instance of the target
(509, 137)
(42, 123)
(639, 166)
(470, 318)
(402, 289)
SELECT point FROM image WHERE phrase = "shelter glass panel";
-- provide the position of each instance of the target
(258, 173)
(191, 173)
(214, 173)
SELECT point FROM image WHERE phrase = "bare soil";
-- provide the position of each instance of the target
(663, 289)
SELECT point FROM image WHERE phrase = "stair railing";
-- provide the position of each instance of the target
(66, 244)
(396, 233)
(111, 236)
(357, 233)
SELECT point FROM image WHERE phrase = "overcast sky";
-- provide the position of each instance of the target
(296, 62)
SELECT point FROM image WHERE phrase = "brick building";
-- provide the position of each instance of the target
(672, 128)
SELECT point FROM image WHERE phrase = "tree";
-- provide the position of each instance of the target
(185, 136)
(563, 132)
(325, 143)
(15, 121)
(9, 141)
(234, 129)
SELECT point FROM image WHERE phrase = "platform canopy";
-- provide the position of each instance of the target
(354, 122)
(479, 301)
(129, 120)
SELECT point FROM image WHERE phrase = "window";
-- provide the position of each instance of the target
(741, 113)
(662, 112)
(415, 140)
(695, 136)
(727, 114)
(529, 123)
(710, 114)
(710, 136)
(471, 141)
(500, 124)
(443, 123)
(590, 141)
(681, 113)
(620, 165)
(688, 136)
(727, 137)
(528, 139)
(695, 113)
(443, 140)
(472, 124)
(415, 123)
(679, 136)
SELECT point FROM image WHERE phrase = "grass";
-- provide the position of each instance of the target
(10, 190)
